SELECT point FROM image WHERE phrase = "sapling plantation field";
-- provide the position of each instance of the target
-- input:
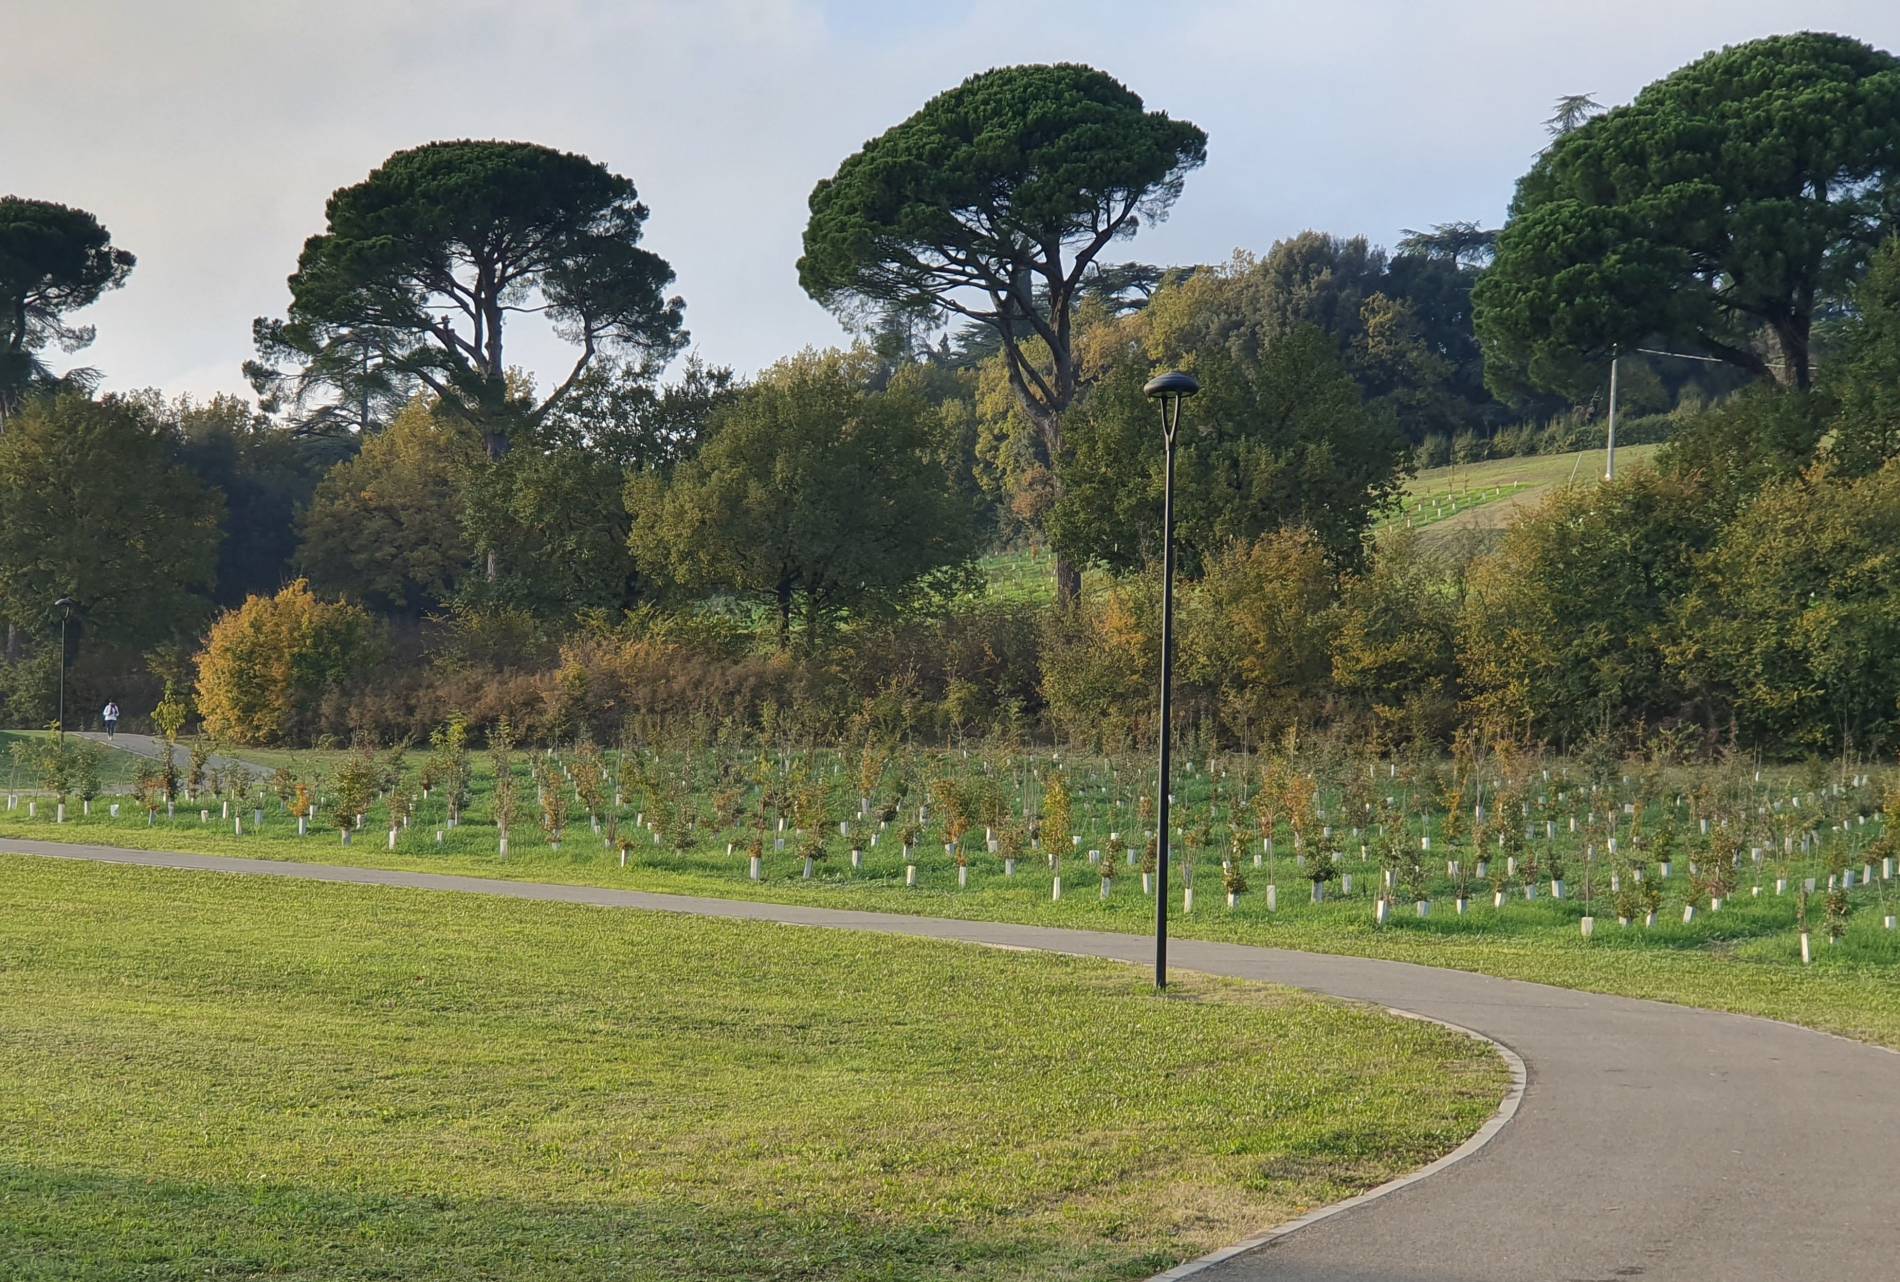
(215, 1076)
(1770, 890)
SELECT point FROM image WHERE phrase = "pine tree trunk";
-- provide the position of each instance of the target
(1068, 582)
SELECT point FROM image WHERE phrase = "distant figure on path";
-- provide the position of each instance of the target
(112, 719)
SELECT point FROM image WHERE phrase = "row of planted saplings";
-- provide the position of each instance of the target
(364, 776)
(1712, 878)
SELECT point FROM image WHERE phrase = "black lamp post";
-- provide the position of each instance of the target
(1170, 390)
(65, 607)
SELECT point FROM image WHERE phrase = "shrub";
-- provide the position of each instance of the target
(268, 665)
(1433, 451)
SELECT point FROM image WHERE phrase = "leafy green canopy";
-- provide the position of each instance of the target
(811, 486)
(53, 260)
(1865, 375)
(1004, 187)
(1738, 195)
(424, 262)
(1288, 440)
(1793, 625)
(94, 505)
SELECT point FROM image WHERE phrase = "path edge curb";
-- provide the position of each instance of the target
(1493, 1126)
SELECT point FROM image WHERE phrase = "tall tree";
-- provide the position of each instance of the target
(991, 203)
(265, 473)
(95, 506)
(423, 263)
(1727, 204)
(812, 490)
(385, 527)
(1793, 625)
(53, 260)
(1287, 441)
(620, 412)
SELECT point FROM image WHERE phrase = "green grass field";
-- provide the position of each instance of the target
(1482, 498)
(222, 1077)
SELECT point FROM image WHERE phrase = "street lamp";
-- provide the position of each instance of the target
(65, 607)
(1170, 390)
(1609, 448)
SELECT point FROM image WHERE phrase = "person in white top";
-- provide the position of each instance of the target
(112, 719)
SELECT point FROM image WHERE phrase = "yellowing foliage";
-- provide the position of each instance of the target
(267, 665)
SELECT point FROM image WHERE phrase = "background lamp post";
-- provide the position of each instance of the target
(1170, 390)
(65, 607)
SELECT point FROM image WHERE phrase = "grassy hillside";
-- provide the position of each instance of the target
(1463, 499)
(1485, 497)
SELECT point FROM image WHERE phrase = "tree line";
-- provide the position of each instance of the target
(397, 461)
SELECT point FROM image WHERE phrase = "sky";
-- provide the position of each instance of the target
(206, 134)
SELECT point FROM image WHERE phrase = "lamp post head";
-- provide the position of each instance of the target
(1172, 385)
(65, 603)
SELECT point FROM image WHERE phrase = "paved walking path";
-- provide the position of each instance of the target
(145, 745)
(1653, 1142)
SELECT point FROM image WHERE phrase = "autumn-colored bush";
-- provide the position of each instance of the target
(268, 666)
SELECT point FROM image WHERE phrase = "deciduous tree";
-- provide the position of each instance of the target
(267, 665)
(385, 527)
(95, 506)
(811, 488)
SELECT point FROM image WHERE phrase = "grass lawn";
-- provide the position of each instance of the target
(221, 1077)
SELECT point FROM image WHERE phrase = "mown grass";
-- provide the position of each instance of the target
(220, 1077)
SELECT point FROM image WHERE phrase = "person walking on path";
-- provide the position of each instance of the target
(111, 719)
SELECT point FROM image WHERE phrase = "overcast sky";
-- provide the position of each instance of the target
(206, 134)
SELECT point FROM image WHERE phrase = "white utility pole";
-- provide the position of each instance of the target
(1609, 449)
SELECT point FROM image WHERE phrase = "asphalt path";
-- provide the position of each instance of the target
(1651, 1141)
(145, 745)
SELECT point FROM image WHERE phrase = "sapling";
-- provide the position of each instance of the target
(200, 753)
(1839, 908)
(553, 802)
(1233, 880)
(1321, 867)
(1010, 837)
(87, 760)
(590, 780)
(1652, 898)
(150, 787)
(353, 789)
(501, 755)
(1056, 816)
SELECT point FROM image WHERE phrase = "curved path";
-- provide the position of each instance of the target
(1653, 1141)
